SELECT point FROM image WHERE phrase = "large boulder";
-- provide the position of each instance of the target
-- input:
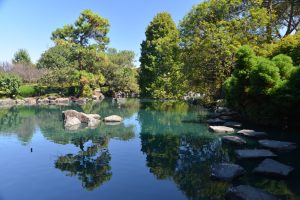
(252, 133)
(254, 153)
(30, 101)
(221, 129)
(62, 101)
(7, 102)
(278, 145)
(226, 171)
(273, 168)
(233, 140)
(113, 118)
(73, 117)
(246, 192)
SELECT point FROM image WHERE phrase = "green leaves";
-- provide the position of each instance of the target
(161, 69)
(22, 57)
(9, 84)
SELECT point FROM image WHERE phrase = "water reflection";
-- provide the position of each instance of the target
(90, 164)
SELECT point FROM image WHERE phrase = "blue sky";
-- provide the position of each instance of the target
(28, 24)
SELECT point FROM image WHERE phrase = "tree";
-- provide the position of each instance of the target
(160, 73)
(56, 57)
(210, 35)
(22, 57)
(86, 38)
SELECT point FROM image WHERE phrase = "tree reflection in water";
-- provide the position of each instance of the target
(90, 165)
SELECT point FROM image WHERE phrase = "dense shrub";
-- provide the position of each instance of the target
(28, 90)
(266, 91)
(9, 84)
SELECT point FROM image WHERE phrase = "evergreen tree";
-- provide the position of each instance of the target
(160, 75)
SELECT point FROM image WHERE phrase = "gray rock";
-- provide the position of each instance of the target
(226, 171)
(273, 168)
(254, 153)
(252, 133)
(233, 124)
(221, 129)
(20, 102)
(7, 102)
(233, 140)
(226, 117)
(245, 192)
(92, 120)
(113, 118)
(72, 121)
(215, 121)
(62, 101)
(30, 101)
(278, 145)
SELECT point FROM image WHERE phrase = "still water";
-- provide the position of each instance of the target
(159, 151)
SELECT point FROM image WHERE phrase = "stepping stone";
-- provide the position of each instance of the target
(226, 171)
(233, 124)
(273, 168)
(252, 133)
(233, 140)
(226, 117)
(246, 192)
(221, 129)
(254, 153)
(278, 145)
(215, 121)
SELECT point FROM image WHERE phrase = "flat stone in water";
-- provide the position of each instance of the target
(278, 145)
(233, 124)
(246, 192)
(226, 171)
(252, 133)
(233, 140)
(221, 129)
(215, 121)
(273, 168)
(254, 153)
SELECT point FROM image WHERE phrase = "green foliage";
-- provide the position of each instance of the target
(22, 57)
(56, 57)
(265, 91)
(9, 84)
(28, 90)
(86, 39)
(290, 46)
(160, 73)
(210, 35)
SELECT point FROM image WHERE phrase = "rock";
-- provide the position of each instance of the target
(20, 102)
(113, 118)
(92, 120)
(222, 109)
(245, 192)
(42, 101)
(252, 133)
(227, 171)
(233, 140)
(30, 101)
(63, 101)
(254, 153)
(233, 124)
(225, 117)
(112, 123)
(7, 102)
(221, 129)
(278, 145)
(215, 121)
(273, 168)
(72, 121)
(51, 97)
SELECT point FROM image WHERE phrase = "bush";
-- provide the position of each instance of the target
(9, 85)
(28, 90)
(265, 91)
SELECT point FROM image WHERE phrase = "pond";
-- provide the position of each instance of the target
(159, 151)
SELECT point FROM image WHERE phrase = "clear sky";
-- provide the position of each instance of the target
(28, 24)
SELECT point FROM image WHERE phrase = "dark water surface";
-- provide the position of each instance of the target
(157, 152)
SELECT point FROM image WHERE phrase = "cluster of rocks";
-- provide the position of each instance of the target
(222, 123)
(74, 119)
(51, 100)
